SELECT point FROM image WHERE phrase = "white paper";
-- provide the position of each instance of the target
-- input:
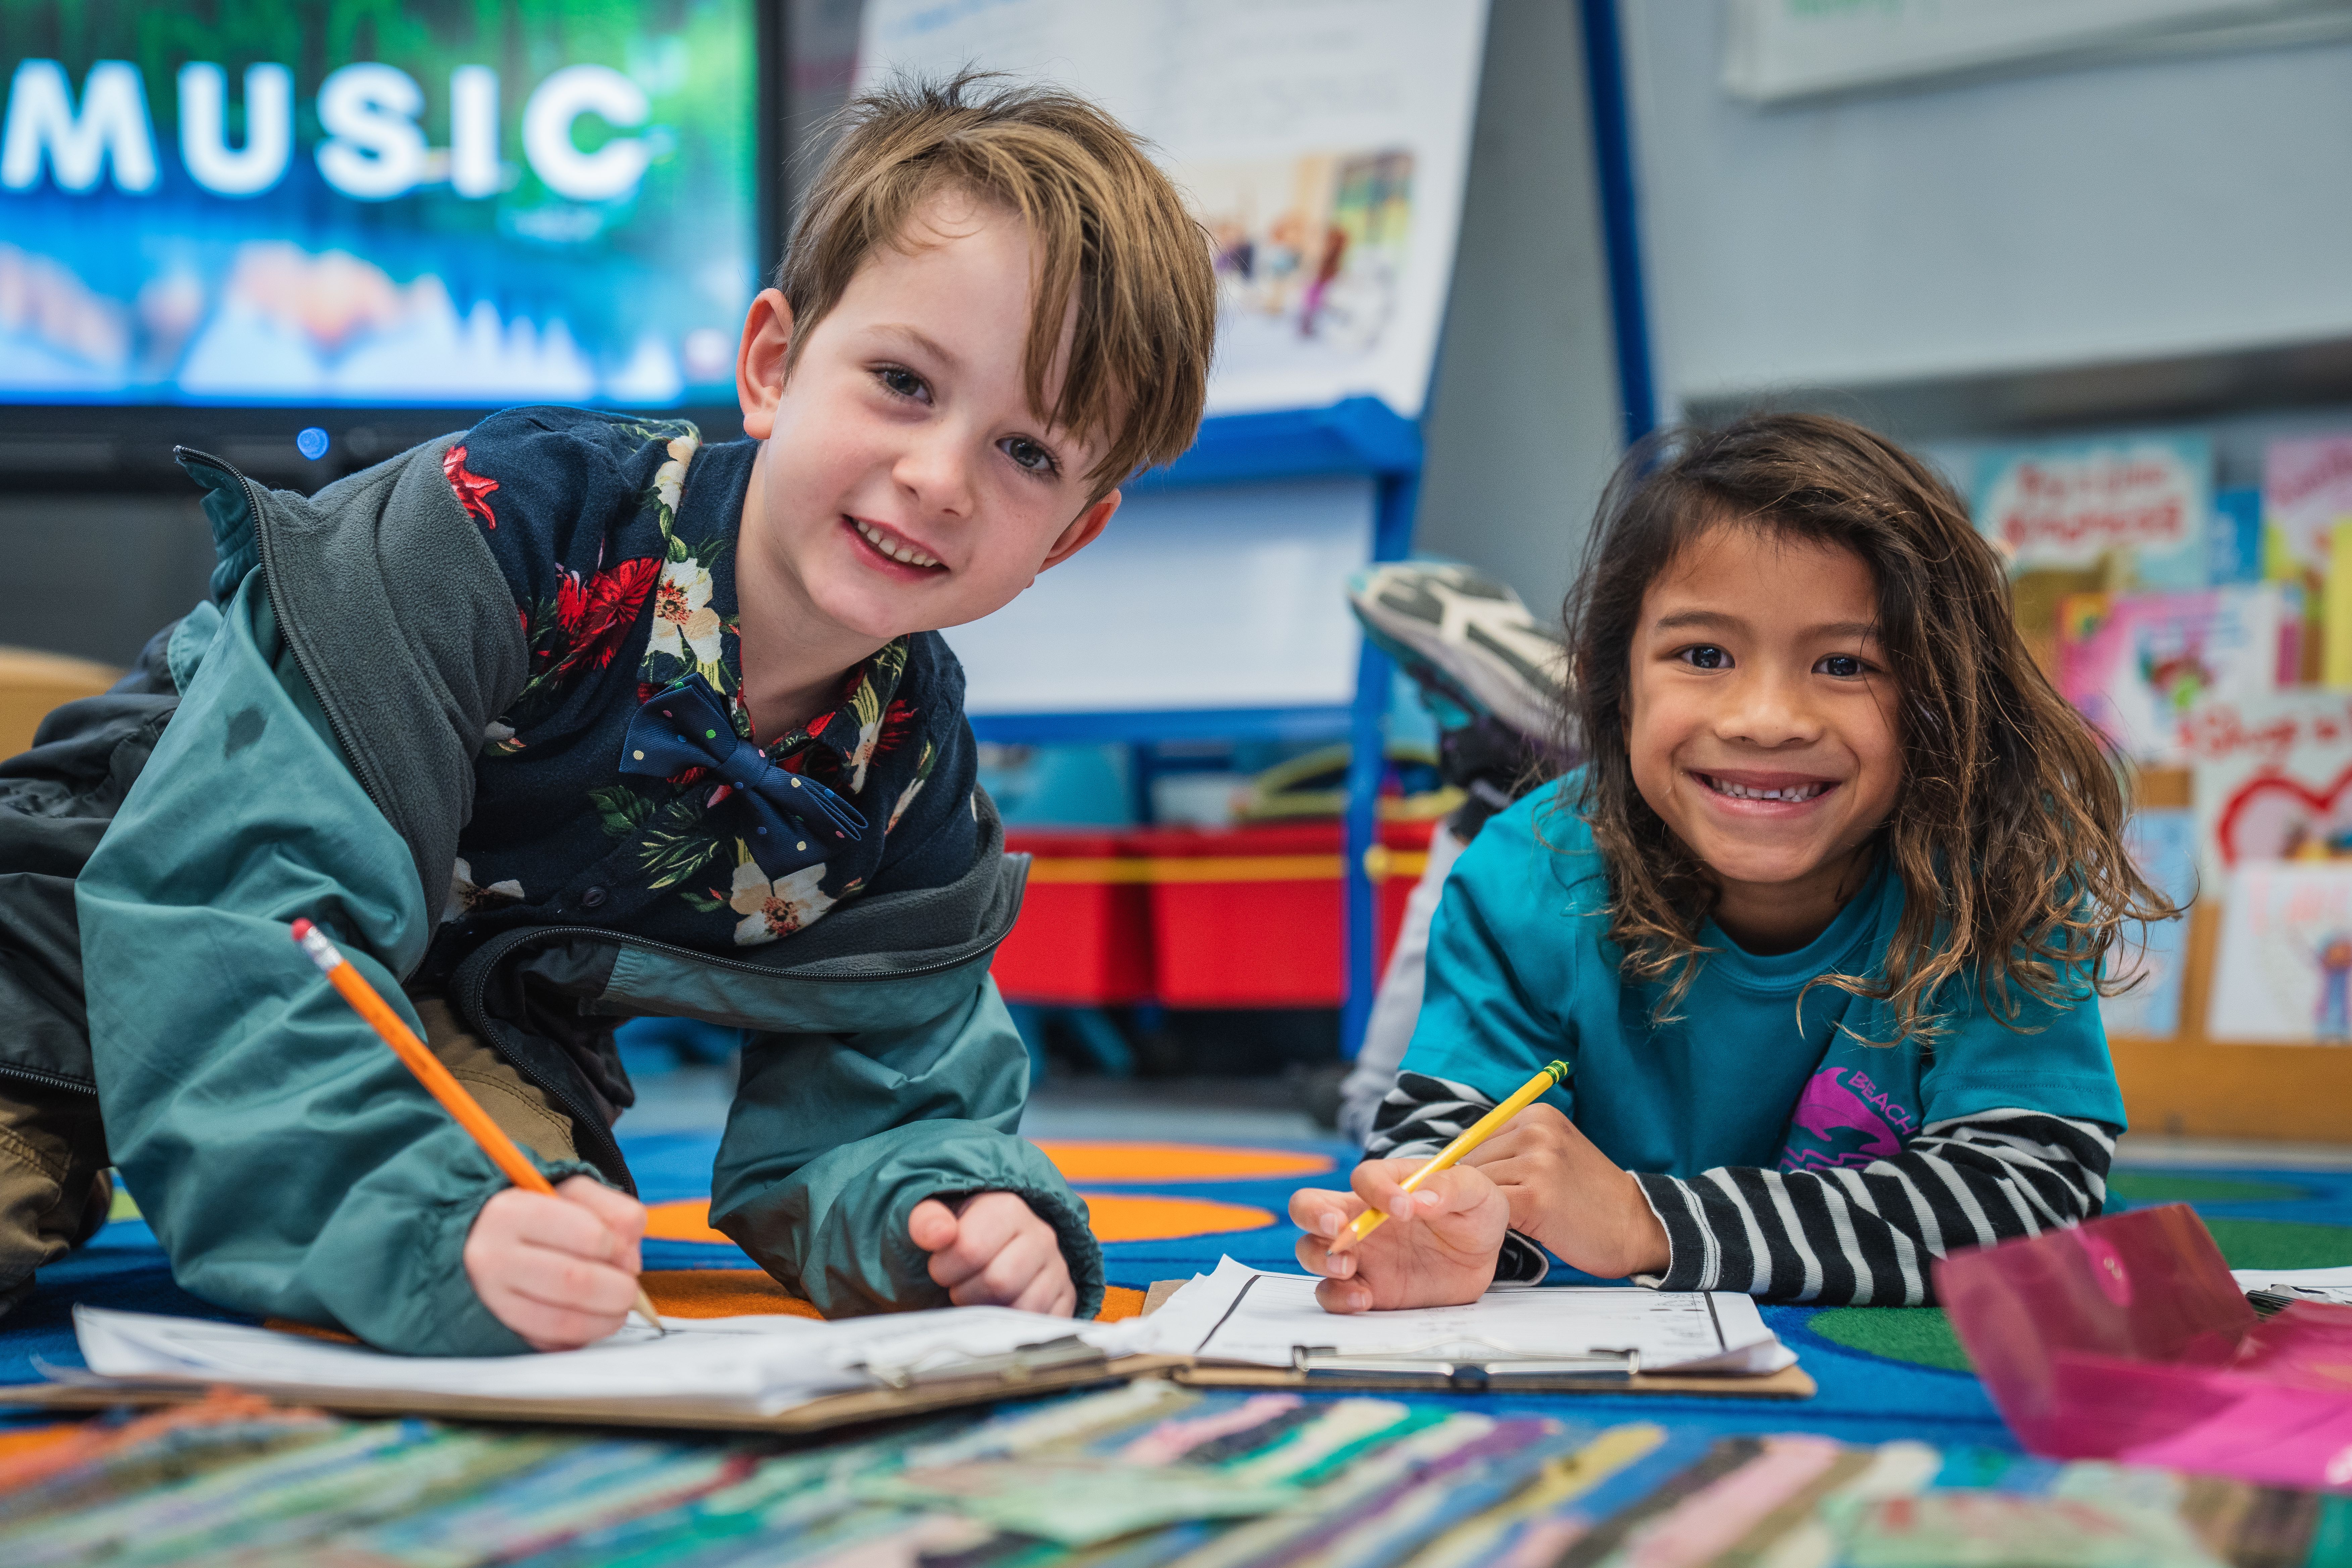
(1242, 1314)
(2310, 1284)
(765, 1364)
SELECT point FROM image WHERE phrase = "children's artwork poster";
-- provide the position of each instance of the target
(2283, 974)
(2273, 779)
(2163, 844)
(2234, 545)
(1323, 144)
(2067, 503)
(2306, 491)
(2138, 664)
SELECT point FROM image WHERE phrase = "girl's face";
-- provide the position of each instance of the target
(1761, 724)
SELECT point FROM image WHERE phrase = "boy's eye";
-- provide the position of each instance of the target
(1844, 666)
(1706, 656)
(900, 381)
(1029, 455)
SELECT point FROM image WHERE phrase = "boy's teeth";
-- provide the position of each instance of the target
(906, 554)
(1791, 791)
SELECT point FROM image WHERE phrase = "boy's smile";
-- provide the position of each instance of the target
(1760, 727)
(905, 484)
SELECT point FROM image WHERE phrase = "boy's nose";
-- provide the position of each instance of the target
(935, 470)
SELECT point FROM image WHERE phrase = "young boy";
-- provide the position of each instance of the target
(568, 719)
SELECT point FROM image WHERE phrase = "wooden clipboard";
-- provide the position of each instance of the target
(1788, 1383)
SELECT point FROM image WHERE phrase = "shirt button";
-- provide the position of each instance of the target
(593, 897)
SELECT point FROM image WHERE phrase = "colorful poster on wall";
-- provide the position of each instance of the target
(2163, 844)
(1324, 144)
(2273, 779)
(2283, 974)
(2306, 491)
(2068, 504)
(2136, 664)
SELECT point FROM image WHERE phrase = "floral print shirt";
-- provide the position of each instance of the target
(617, 538)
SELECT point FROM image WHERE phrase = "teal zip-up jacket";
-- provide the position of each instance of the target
(303, 745)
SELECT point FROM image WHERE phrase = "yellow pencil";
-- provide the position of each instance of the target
(354, 989)
(1477, 1133)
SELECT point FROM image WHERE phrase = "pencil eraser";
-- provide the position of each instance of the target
(302, 927)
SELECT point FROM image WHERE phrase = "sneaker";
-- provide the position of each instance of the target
(1466, 641)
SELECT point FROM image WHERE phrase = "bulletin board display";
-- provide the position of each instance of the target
(1323, 143)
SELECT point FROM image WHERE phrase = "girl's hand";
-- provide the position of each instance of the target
(1437, 1249)
(1571, 1198)
(560, 1271)
(991, 1250)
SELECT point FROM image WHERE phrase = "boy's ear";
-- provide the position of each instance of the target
(759, 362)
(1083, 531)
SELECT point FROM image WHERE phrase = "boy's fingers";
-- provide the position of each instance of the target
(547, 1327)
(622, 1215)
(565, 1227)
(932, 1226)
(564, 1279)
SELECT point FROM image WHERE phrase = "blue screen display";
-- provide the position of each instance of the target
(346, 202)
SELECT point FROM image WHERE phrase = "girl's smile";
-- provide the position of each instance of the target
(1759, 725)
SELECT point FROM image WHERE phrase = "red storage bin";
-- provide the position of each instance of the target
(1247, 917)
(1084, 937)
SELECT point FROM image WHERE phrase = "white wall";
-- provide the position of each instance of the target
(1523, 423)
(2188, 207)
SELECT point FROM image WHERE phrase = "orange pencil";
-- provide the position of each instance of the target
(436, 1077)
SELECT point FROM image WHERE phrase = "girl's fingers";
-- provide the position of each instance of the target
(1321, 1212)
(1343, 1296)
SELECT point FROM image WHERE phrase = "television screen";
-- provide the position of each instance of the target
(354, 203)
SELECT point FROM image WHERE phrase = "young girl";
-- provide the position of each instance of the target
(1817, 924)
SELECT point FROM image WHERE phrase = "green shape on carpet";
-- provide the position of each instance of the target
(2282, 1244)
(2174, 1187)
(1920, 1335)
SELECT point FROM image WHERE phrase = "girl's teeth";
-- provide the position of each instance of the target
(1791, 792)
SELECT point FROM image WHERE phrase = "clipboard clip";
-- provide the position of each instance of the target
(1498, 1370)
(1017, 1365)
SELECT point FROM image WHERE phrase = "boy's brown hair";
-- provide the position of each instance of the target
(2008, 833)
(1109, 228)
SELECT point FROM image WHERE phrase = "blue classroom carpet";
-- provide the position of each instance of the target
(1882, 1373)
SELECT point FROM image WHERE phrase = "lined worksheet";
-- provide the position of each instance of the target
(1242, 1314)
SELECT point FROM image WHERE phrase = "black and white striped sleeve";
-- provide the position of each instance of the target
(1845, 1235)
(1864, 1236)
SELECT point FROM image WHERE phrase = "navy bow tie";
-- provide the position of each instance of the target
(793, 820)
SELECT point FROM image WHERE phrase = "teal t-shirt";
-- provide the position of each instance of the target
(1519, 975)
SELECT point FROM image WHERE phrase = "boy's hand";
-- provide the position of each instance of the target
(1571, 1198)
(991, 1250)
(560, 1271)
(1437, 1248)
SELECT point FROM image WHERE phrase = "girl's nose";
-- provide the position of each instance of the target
(1766, 710)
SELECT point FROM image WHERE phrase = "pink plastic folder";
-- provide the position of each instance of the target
(2127, 1339)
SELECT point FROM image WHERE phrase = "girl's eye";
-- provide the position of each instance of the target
(1844, 666)
(900, 381)
(1706, 656)
(1029, 455)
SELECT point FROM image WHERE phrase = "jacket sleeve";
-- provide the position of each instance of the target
(1865, 1236)
(835, 1138)
(286, 1160)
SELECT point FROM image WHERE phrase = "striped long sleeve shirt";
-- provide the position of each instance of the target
(1843, 1235)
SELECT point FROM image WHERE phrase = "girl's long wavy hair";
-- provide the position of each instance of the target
(2007, 829)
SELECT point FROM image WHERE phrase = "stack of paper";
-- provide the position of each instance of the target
(764, 1365)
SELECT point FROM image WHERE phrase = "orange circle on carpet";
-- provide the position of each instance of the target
(1117, 1216)
(1085, 1161)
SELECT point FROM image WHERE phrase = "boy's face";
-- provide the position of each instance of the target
(1761, 723)
(905, 483)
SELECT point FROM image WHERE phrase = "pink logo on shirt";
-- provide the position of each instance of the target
(1841, 1101)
